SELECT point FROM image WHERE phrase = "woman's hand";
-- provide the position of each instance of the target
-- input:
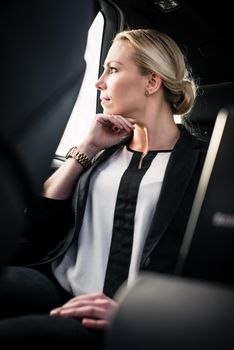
(106, 131)
(95, 310)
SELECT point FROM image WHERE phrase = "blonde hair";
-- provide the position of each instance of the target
(157, 52)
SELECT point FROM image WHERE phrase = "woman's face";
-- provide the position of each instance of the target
(122, 86)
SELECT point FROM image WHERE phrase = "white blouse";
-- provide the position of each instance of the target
(83, 267)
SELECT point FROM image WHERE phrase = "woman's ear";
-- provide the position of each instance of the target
(154, 83)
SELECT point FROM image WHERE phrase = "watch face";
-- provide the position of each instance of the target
(72, 152)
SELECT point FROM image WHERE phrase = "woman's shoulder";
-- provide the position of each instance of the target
(194, 135)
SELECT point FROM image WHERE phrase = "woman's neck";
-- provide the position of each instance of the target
(155, 128)
(159, 135)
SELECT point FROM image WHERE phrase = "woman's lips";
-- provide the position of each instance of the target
(105, 100)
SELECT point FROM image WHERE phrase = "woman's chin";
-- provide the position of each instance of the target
(110, 111)
(113, 111)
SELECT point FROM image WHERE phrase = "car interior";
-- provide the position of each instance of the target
(42, 68)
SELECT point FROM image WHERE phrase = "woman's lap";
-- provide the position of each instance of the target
(26, 297)
(27, 291)
(44, 329)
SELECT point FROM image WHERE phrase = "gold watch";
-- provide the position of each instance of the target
(81, 158)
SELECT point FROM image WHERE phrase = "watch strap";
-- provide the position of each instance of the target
(80, 157)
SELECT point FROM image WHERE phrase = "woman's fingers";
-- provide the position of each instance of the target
(104, 303)
(116, 123)
(95, 324)
(87, 311)
(107, 130)
(90, 296)
(95, 310)
(90, 318)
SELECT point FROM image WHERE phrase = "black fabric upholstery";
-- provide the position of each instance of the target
(210, 99)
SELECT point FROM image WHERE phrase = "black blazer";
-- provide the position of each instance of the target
(54, 224)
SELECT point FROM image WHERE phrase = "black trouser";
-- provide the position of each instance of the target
(26, 297)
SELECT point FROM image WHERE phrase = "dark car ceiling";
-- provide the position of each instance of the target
(203, 30)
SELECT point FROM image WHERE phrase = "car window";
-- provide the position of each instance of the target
(85, 106)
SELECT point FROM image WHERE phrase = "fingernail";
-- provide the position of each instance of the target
(55, 311)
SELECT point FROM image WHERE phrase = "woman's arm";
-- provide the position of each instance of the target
(61, 183)
(106, 131)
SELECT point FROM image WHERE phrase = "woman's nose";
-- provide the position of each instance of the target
(100, 83)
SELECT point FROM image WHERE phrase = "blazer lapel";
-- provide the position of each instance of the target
(179, 171)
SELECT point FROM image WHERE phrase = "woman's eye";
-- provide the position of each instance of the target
(113, 70)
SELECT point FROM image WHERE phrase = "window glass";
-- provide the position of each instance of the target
(85, 107)
(177, 118)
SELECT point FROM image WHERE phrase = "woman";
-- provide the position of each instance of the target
(120, 202)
